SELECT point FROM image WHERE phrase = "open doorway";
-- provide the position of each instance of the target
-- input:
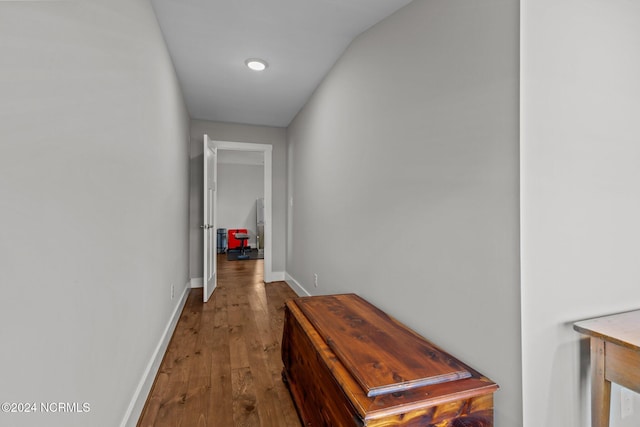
(242, 169)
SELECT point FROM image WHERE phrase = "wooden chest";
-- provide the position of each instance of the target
(347, 363)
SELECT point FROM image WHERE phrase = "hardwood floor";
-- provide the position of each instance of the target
(223, 366)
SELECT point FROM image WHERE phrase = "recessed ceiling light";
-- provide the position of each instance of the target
(256, 64)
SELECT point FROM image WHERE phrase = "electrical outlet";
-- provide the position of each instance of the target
(626, 400)
(315, 280)
(172, 291)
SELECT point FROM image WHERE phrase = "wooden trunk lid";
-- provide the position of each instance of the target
(382, 355)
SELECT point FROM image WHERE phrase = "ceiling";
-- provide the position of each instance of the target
(209, 40)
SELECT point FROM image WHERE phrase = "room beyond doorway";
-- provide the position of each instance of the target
(239, 183)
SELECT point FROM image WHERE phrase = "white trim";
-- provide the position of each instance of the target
(267, 149)
(277, 276)
(139, 398)
(297, 287)
(209, 213)
(196, 282)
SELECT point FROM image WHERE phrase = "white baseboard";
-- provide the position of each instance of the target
(144, 387)
(297, 287)
(197, 282)
(276, 276)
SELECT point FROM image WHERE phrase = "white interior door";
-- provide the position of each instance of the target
(209, 226)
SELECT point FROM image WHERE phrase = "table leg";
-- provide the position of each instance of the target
(600, 387)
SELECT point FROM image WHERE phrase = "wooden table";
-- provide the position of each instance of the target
(615, 357)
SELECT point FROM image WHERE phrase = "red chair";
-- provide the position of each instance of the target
(232, 242)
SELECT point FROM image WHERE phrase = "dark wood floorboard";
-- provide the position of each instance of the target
(222, 367)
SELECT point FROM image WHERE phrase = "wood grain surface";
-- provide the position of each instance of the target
(383, 355)
(327, 394)
(223, 366)
(622, 328)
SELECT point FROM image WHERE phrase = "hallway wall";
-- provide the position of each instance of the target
(93, 203)
(403, 182)
(580, 194)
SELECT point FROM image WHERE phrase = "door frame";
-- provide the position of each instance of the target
(267, 150)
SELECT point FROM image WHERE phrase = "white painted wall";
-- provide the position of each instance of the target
(238, 133)
(93, 204)
(580, 151)
(403, 181)
(239, 186)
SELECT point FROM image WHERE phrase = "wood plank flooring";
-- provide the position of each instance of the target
(223, 367)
